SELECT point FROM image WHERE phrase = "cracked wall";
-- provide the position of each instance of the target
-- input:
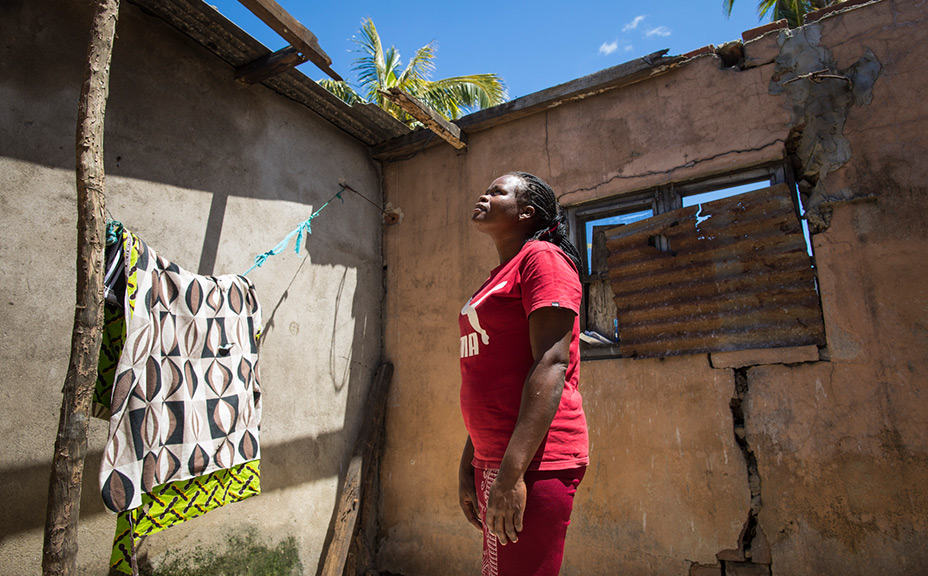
(820, 96)
(824, 456)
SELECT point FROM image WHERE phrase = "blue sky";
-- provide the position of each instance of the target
(532, 45)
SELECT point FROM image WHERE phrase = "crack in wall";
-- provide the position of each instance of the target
(688, 164)
(752, 544)
(752, 555)
(754, 481)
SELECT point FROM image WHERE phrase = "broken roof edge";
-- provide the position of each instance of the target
(618, 76)
(631, 72)
(208, 27)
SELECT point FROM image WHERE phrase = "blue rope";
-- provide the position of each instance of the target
(113, 232)
(304, 227)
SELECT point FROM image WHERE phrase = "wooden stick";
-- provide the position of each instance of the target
(59, 555)
(291, 30)
(269, 65)
(358, 483)
(424, 113)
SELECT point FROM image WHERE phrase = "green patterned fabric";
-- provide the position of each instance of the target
(114, 328)
(114, 336)
(176, 502)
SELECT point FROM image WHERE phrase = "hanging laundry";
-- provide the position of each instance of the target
(114, 320)
(176, 502)
(185, 399)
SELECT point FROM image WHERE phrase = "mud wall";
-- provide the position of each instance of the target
(210, 173)
(824, 459)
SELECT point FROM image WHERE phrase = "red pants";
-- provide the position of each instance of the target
(540, 549)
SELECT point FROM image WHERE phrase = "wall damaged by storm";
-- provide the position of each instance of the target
(210, 173)
(801, 460)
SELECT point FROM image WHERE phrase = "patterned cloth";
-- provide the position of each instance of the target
(114, 318)
(177, 502)
(114, 337)
(186, 399)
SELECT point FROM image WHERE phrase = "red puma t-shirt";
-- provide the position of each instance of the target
(496, 356)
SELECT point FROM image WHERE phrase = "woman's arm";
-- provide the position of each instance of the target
(550, 331)
(467, 486)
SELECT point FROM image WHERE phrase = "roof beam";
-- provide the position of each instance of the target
(290, 29)
(269, 65)
(424, 113)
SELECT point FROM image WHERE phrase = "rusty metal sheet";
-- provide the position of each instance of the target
(731, 274)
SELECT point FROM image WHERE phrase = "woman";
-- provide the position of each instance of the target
(526, 449)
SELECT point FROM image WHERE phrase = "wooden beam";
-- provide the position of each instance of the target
(269, 65)
(208, 27)
(291, 30)
(424, 113)
(360, 485)
(59, 554)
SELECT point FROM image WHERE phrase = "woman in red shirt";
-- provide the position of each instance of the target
(527, 447)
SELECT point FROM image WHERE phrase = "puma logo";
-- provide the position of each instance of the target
(469, 345)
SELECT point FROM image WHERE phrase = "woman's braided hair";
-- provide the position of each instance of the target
(550, 220)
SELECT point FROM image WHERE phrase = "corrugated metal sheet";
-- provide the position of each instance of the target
(732, 274)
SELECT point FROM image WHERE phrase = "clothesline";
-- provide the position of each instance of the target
(304, 227)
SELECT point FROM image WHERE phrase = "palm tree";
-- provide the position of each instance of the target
(378, 69)
(791, 10)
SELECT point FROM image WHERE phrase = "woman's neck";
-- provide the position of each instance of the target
(509, 246)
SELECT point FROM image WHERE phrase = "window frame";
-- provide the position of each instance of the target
(660, 199)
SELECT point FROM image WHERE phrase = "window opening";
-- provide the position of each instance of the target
(617, 220)
(805, 230)
(599, 317)
(696, 199)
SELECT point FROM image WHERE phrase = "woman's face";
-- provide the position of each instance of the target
(499, 208)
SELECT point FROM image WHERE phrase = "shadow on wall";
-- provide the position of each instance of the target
(176, 117)
(283, 466)
(175, 114)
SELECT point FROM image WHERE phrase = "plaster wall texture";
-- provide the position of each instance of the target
(839, 442)
(434, 262)
(210, 173)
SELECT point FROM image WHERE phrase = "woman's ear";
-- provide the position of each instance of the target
(527, 212)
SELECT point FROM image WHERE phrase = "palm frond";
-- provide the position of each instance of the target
(420, 67)
(392, 63)
(459, 94)
(792, 10)
(341, 89)
(379, 69)
(369, 66)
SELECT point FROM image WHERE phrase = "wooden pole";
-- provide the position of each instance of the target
(59, 555)
(360, 485)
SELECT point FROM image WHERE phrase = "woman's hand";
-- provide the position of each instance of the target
(550, 332)
(505, 507)
(467, 487)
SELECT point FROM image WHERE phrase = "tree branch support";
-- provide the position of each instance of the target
(59, 556)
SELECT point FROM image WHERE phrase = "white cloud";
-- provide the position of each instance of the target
(633, 24)
(629, 48)
(658, 31)
(608, 47)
